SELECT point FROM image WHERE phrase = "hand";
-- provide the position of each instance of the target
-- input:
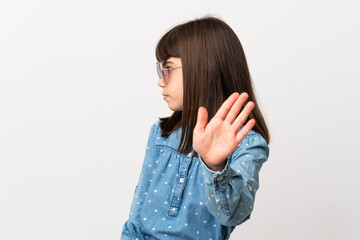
(218, 139)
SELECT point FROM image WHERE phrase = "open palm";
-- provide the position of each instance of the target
(218, 139)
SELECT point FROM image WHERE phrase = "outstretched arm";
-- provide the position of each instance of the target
(230, 193)
(231, 159)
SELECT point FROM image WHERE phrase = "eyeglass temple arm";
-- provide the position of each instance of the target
(167, 69)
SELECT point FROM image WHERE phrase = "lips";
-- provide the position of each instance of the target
(164, 95)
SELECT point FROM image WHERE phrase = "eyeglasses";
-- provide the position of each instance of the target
(164, 72)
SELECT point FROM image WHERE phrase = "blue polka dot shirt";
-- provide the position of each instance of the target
(179, 197)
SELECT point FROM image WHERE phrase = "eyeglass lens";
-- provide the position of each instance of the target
(162, 74)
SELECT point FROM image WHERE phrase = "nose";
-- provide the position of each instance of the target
(160, 83)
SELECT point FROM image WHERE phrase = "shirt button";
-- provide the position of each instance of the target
(220, 178)
(250, 188)
(181, 180)
(189, 155)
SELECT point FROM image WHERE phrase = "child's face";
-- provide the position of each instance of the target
(173, 88)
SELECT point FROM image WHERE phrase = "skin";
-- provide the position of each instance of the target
(218, 139)
(174, 85)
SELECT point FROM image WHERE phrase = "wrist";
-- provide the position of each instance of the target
(215, 168)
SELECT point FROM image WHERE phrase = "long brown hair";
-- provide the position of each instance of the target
(213, 66)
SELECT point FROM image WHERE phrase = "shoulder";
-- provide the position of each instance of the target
(255, 136)
(154, 131)
(155, 126)
(253, 143)
(170, 142)
(252, 138)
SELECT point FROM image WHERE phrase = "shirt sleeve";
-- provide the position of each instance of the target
(230, 193)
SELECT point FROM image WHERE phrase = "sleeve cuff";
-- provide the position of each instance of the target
(216, 177)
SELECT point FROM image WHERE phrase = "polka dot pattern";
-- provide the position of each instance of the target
(179, 197)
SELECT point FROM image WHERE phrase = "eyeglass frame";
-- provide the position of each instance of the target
(160, 69)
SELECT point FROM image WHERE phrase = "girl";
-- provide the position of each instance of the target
(199, 178)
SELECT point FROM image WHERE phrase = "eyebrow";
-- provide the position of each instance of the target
(168, 62)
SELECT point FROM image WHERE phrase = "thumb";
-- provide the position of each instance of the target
(201, 119)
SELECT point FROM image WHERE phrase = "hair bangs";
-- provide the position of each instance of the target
(167, 46)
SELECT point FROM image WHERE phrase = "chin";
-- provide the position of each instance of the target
(175, 108)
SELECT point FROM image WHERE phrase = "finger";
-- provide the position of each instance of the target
(201, 119)
(226, 106)
(235, 109)
(239, 121)
(245, 130)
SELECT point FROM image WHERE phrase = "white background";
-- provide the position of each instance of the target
(78, 96)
